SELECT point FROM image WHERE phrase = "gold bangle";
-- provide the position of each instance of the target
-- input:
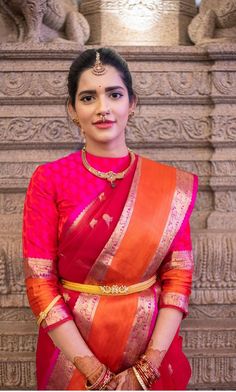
(139, 378)
(44, 313)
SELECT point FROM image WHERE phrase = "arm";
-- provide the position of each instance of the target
(40, 233)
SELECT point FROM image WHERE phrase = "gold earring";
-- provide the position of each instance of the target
(76, 122)
(83, 136)
(131, 114)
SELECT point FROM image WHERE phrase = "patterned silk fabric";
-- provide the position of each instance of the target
(55, 191)
(78, 228)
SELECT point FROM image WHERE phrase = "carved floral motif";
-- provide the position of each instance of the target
(17, 374)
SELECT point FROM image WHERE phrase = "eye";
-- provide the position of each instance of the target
(87, 99)
(116, 95)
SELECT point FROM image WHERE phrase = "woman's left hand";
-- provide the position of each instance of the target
(125, 380)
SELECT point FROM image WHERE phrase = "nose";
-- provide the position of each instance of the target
(103, 106)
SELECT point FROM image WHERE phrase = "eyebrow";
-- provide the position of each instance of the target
(107, 89)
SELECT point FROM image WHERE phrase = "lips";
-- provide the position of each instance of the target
(103, 122)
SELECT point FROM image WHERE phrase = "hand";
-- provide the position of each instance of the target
(125, 380)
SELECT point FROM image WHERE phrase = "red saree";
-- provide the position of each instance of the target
(123, 235)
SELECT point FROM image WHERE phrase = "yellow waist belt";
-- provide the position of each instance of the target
(109, 289)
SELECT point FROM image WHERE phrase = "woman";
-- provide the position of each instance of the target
(107, 248)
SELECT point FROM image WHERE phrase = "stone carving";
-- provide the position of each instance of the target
(225, 201)
(155, 84)
(224, 83)
(142, 129)
(216, 21)
(172, 83)
(10, 204)
(33, 84)
(4, 273)
(21, 129)
(17, 314)
(149, 128)
(18, 343)
(223, 128)
(212, 311)
(17, 375)
(214, 339)
(213, 370)
(46, 20)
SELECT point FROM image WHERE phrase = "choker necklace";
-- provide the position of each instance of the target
(109, 176)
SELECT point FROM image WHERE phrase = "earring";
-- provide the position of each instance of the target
(76, 122)
(83, 136)
(131, 114)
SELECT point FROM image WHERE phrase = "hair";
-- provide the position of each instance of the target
(86, 60)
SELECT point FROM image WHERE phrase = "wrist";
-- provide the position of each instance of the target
(89, 366)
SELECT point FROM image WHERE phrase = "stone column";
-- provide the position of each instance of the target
(143, 22)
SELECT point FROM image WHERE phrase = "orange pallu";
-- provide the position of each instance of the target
(125, 236)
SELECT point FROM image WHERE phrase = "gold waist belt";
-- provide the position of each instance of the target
(114, 289)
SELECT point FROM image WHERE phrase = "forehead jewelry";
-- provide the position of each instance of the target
(98, 68)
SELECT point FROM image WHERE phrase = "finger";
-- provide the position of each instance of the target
(111, 385)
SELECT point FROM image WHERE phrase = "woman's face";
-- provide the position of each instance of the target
(103, 95)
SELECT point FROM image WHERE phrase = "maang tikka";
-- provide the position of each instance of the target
(98, 68)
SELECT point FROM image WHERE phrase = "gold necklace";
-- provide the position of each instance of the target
(109, 176)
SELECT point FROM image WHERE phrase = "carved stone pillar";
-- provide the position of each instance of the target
(126, 22)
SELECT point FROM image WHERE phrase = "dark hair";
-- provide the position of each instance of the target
(87, 59)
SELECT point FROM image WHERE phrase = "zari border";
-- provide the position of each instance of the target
(84, 311)
(61, 374)
(56, 314)
(38, 268)
(174, 299)
(180, 204)
(104, 260)
(182, 259)
(139, 334)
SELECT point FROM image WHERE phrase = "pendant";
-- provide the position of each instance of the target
(113, 184)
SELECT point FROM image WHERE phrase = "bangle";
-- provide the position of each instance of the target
(139, 378)
(44, 313)
(146, 371)
(104, 378)
(155, 370)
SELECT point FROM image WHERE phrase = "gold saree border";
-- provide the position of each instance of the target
(138, 338)
(56, 314)
(180, 204)
(104, 260)
(174, 299)
(39, 268)
(61, 374)
(84, 311)
(182, 260)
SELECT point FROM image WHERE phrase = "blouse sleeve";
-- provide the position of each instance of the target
(40, 228)
(176, 270)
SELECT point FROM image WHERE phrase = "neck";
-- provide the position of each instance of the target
(107, 151)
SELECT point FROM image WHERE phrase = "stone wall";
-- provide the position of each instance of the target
(185, 117)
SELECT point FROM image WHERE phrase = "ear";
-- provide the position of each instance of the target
(133, 103)
(70, 110)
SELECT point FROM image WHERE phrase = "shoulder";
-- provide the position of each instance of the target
(50, 175)
(58, 166)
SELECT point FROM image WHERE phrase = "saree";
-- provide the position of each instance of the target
(123, 236)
